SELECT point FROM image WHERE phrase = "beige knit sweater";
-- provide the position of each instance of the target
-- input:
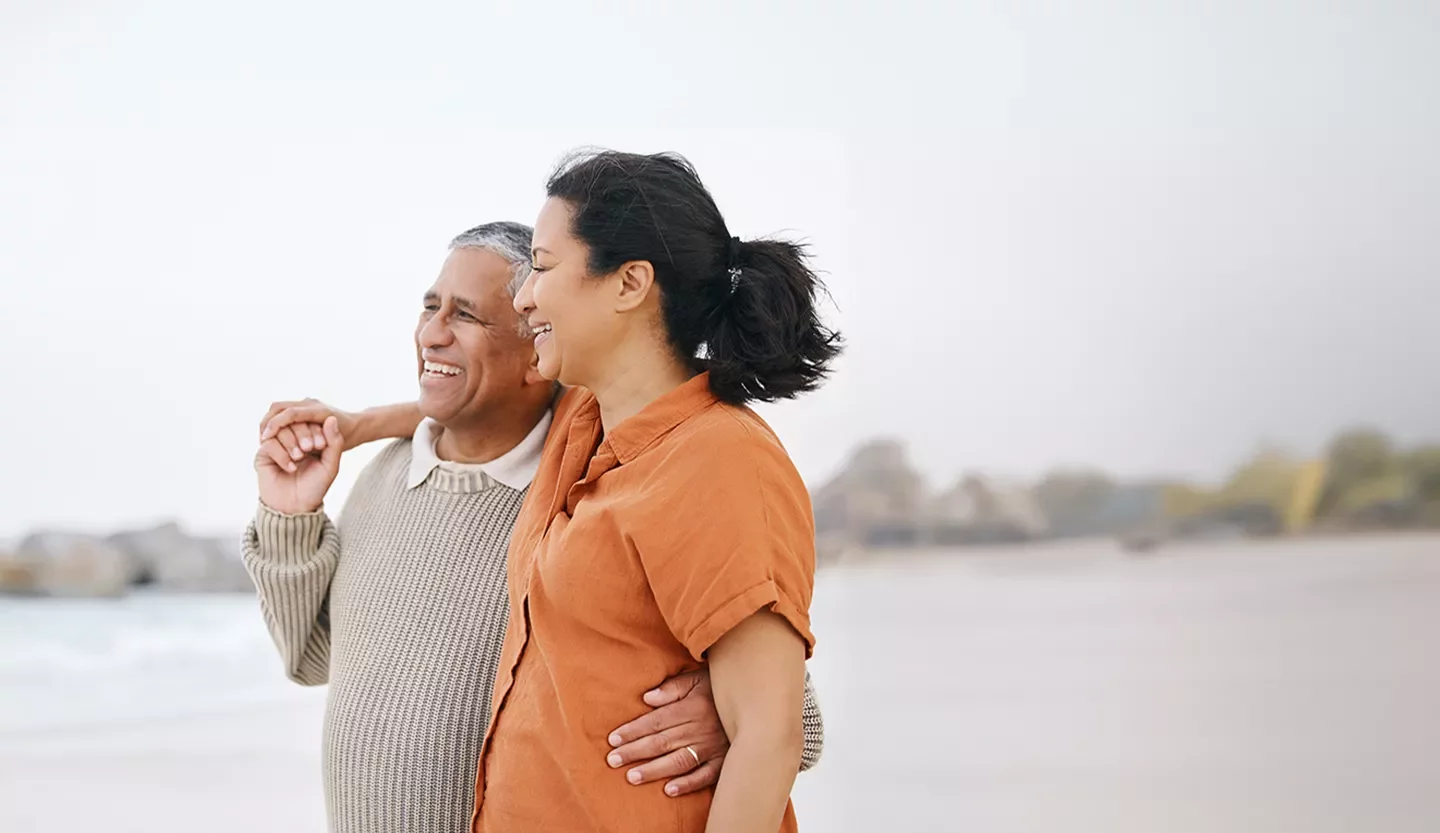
(402, 611)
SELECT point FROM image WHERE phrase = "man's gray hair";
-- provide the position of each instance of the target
(508, 240)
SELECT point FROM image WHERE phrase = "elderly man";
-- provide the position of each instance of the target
(401, 605)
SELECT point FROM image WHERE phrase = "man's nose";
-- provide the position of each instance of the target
(524, 303)
(435, 332)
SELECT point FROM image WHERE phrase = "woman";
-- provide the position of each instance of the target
(667, 528)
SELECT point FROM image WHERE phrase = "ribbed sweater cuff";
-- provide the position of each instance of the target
(287, 539)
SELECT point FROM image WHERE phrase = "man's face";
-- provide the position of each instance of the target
(471, 356)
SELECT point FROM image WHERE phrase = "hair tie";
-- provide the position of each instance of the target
(732, 261)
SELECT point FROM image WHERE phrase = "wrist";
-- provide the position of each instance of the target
(383, 422)
(286, 510)
(362, 429)
(397, 421)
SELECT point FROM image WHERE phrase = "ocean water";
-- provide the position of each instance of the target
(1231, 687)
(71, 665)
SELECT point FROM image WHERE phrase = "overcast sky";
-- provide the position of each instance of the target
(1148, 236)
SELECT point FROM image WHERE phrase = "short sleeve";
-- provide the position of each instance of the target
(729, 532)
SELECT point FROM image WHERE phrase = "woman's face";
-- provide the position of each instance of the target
(573, 314)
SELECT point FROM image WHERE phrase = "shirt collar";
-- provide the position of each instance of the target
(634, 435)
(515, 468)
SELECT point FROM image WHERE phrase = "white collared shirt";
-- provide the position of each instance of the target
(515, 468)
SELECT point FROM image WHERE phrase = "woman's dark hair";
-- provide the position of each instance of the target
(745, 311)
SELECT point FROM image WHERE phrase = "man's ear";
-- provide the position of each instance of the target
(636, 280)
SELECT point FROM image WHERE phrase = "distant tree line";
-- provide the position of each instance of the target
(1363, 480)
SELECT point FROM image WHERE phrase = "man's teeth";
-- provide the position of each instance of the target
(542, 329)
(446, 369)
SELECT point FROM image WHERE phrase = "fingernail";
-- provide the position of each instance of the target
(296, 453)
(614, 759)
(306, 444)
(672, 790)
(291, 468)
(633, 776)
(615, 740)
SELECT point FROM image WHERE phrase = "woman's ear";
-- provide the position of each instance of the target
(636, 280)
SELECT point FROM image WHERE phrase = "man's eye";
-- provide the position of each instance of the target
(432, 307)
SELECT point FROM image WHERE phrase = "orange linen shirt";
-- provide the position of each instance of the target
(630, 558)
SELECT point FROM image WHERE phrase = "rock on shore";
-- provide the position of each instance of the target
(67, 564)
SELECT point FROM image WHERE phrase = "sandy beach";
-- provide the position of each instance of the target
(1256, 687)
